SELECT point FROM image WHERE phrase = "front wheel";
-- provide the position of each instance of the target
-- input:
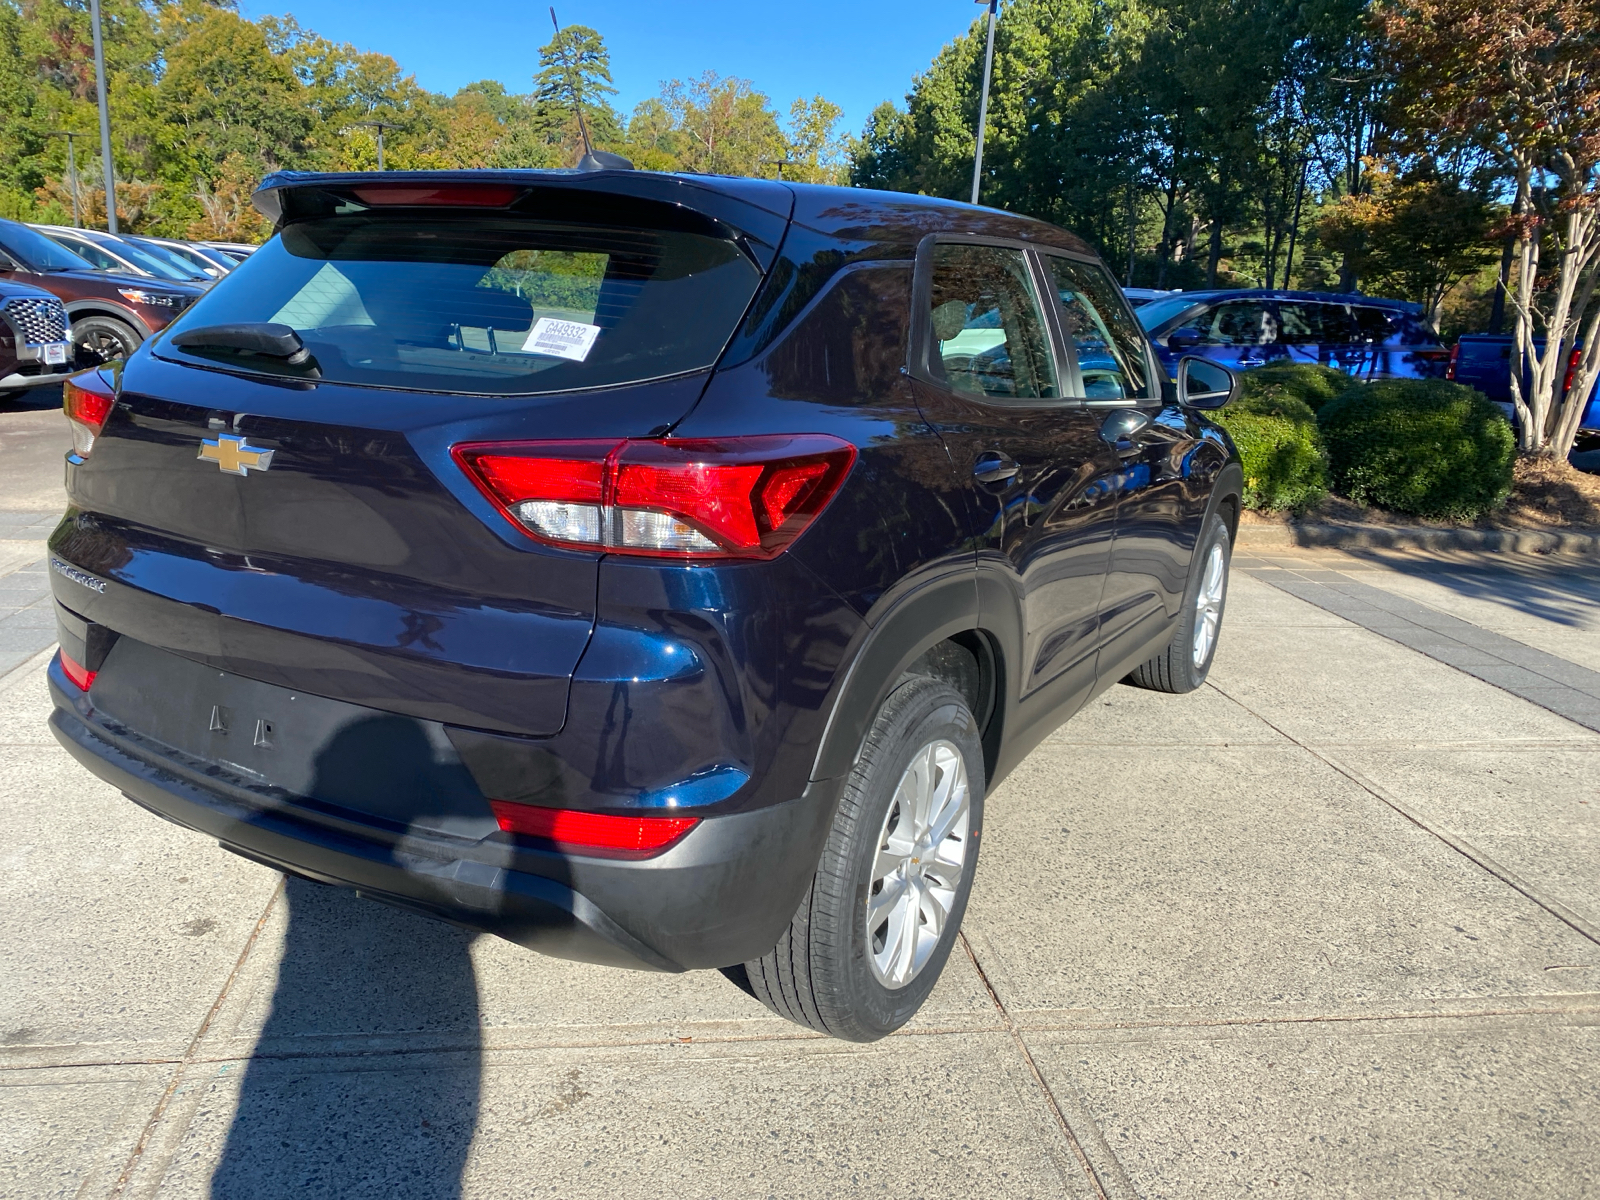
(99, 340)
(877, 925)
(1184, 665)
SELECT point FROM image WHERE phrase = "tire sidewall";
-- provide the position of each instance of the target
(920, 712)
(125, 334)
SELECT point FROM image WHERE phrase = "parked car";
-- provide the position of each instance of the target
(1360, 335)
(212, 262)
(110, 312)
(646, 569)
(238, 251)
(1138, 297)
(1483, 361)
(112, 253)
(35, 345)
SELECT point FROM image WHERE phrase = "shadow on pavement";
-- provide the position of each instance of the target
(310, 1121)
(1559, 589)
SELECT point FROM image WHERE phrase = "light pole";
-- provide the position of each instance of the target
(100, 87)
(72, 171)
(380, 126)
(983, 104)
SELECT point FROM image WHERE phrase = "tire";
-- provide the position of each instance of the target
(97, 340)
(829, 972)
(1184, 664)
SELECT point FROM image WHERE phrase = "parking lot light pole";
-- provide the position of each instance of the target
(101, 87)
(380, 126)
(72, 172)
(983, 103)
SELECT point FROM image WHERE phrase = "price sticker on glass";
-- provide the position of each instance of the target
(562, 339)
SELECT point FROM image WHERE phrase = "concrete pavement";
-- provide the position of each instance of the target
(1325, 928)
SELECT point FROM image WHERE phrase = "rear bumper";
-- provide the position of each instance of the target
(720, 896)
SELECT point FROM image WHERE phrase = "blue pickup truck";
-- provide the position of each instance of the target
(1483, 361)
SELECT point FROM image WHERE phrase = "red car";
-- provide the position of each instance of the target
(110, 313)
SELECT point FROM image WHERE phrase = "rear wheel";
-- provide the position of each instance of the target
(1184, 665)
(97, 340)
(878, 923)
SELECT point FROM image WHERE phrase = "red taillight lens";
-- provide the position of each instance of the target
(1455, 357)
(468, 195)
(745, 497)
(1573, 360)
(592, 833)
(80, 675)
(87, 400)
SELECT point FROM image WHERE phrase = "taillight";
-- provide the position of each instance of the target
(87, 400)
(1572, 367)
(740, 497)
(592, 833)
(80, 675)
(1455, 357)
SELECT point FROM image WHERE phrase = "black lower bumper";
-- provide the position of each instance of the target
(721, 895)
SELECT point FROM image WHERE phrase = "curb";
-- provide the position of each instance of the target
(1414, 537)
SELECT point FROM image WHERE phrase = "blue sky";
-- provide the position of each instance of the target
(856, 54)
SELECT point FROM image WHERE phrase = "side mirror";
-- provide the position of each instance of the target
(1205, 384)
(7, 263)
(1185, 338)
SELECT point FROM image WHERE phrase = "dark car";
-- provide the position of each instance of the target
(35, 346)
(110, 313)
(1483, 361)
(1362, 336)
(651, 570)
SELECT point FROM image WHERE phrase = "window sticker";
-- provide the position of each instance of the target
(562, 339)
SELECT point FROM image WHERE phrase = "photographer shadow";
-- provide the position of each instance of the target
(365, 1078)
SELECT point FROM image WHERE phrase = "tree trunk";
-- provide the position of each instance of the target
(1497, 314)
(1214, 255)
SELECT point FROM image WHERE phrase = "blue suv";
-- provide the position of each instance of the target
(1364, 337)
(655, 571)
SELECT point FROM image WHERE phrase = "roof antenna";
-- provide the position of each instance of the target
(592, 159)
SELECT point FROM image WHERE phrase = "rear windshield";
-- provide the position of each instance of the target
(490, 304)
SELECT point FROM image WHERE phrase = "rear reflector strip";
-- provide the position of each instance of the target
(82, 678)
(592, 833)
(450, 195)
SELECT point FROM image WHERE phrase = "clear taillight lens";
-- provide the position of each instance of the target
(743, 497)
(87, 400)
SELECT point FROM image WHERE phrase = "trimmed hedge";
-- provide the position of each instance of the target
(1306, 382)
(1419, 446)
(1285, 466)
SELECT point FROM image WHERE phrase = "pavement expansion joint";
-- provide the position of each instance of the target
(194, 1044)
(1108, 1180)
(1578, 922)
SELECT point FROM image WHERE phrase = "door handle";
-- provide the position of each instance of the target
(1252, 362)
(994, 468)
(1119, 428)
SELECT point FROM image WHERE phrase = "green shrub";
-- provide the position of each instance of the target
(1306, 382)
(1280, 449)
(1419, 446)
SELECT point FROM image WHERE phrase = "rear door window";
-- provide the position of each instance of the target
(1311, 324)
(1101, 330)
(1241, 323)
(988, 332)
(490, 304)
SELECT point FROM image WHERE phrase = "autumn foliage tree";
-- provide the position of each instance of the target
(1519, 80)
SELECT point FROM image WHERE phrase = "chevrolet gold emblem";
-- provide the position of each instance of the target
(235, 455)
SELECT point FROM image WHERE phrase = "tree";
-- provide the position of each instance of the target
(1519, 80)
(1418, 235)
(726, 126)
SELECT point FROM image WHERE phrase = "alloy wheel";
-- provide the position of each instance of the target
(1208, 604)
(916, 875)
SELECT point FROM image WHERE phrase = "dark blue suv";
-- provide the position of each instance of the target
(655, 571)
(1362, 336)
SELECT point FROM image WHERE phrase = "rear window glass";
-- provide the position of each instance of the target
(490, 305)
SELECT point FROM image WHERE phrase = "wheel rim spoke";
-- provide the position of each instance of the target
(921, 858)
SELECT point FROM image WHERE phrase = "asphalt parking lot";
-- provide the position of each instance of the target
(1328, 927)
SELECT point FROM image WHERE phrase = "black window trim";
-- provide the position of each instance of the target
(918, 365)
